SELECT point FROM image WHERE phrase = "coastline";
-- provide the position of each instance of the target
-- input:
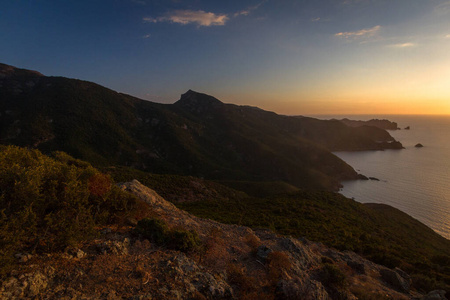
(414, 180)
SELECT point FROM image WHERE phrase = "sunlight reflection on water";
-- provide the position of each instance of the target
(414, 180)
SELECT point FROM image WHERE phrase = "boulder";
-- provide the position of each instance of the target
(397, 278)
(419, 145)
(435, 295)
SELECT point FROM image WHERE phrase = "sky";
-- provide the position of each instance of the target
(288, 56)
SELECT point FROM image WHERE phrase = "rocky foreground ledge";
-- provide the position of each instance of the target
(235, 262)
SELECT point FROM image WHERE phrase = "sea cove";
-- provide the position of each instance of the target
(414, 180)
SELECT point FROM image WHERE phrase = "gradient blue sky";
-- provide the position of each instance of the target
(292, 57)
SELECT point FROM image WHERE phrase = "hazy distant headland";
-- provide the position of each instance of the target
(383, 124)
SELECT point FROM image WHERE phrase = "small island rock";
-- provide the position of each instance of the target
(419, 145)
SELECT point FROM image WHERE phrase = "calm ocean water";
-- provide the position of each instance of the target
(414, 180)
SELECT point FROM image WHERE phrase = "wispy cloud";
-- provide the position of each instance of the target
(247, 11)
(403, 45)
(442, 8)
(200, 17)
(146, 36)
(363, 33)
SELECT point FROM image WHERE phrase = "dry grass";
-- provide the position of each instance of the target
(215, 255)
(279, 263)
(252, 241)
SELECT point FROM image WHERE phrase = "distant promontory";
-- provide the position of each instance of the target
(383, 124)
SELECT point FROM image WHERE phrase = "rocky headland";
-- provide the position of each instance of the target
(382, 124)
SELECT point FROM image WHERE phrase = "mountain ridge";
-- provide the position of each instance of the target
(197, 135)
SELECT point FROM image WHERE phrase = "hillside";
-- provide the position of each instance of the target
(137, 245)
(198, 135)
(378, 232)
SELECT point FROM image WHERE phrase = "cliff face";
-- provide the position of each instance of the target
(235, 262)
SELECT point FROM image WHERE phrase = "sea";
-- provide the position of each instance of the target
(414, 180)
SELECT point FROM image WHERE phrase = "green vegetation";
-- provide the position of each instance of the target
(47, 204)
(158, 231)
(378, 232)
(332, 276)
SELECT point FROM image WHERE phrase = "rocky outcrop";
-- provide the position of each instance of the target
(435, 295)
(24, 286)
(397, 278)
(235, 262)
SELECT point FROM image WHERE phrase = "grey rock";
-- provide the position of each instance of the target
(300, 252)
(397, 278)
(296, 289)
(435, 295)
(263, 252)
(114, 247)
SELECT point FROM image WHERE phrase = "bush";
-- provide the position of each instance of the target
(49, 203)
(332, 276)
(153, 229)
(158, 231)
(184, 240)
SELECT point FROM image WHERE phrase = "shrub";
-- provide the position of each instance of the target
(237, 275)
(332, 276)
(158, 231)
(51, 203)
(184, 240)
(99, 184)
(252, 241)
(153, 229)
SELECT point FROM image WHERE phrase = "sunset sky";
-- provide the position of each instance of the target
(288, 56)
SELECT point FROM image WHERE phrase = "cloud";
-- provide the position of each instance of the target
(443, 8)
(247, 11)
(242, 13)
(363, 33)
(184, 17)
(403, 45)
(447, 36)
(315, 20)
(146, 36)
